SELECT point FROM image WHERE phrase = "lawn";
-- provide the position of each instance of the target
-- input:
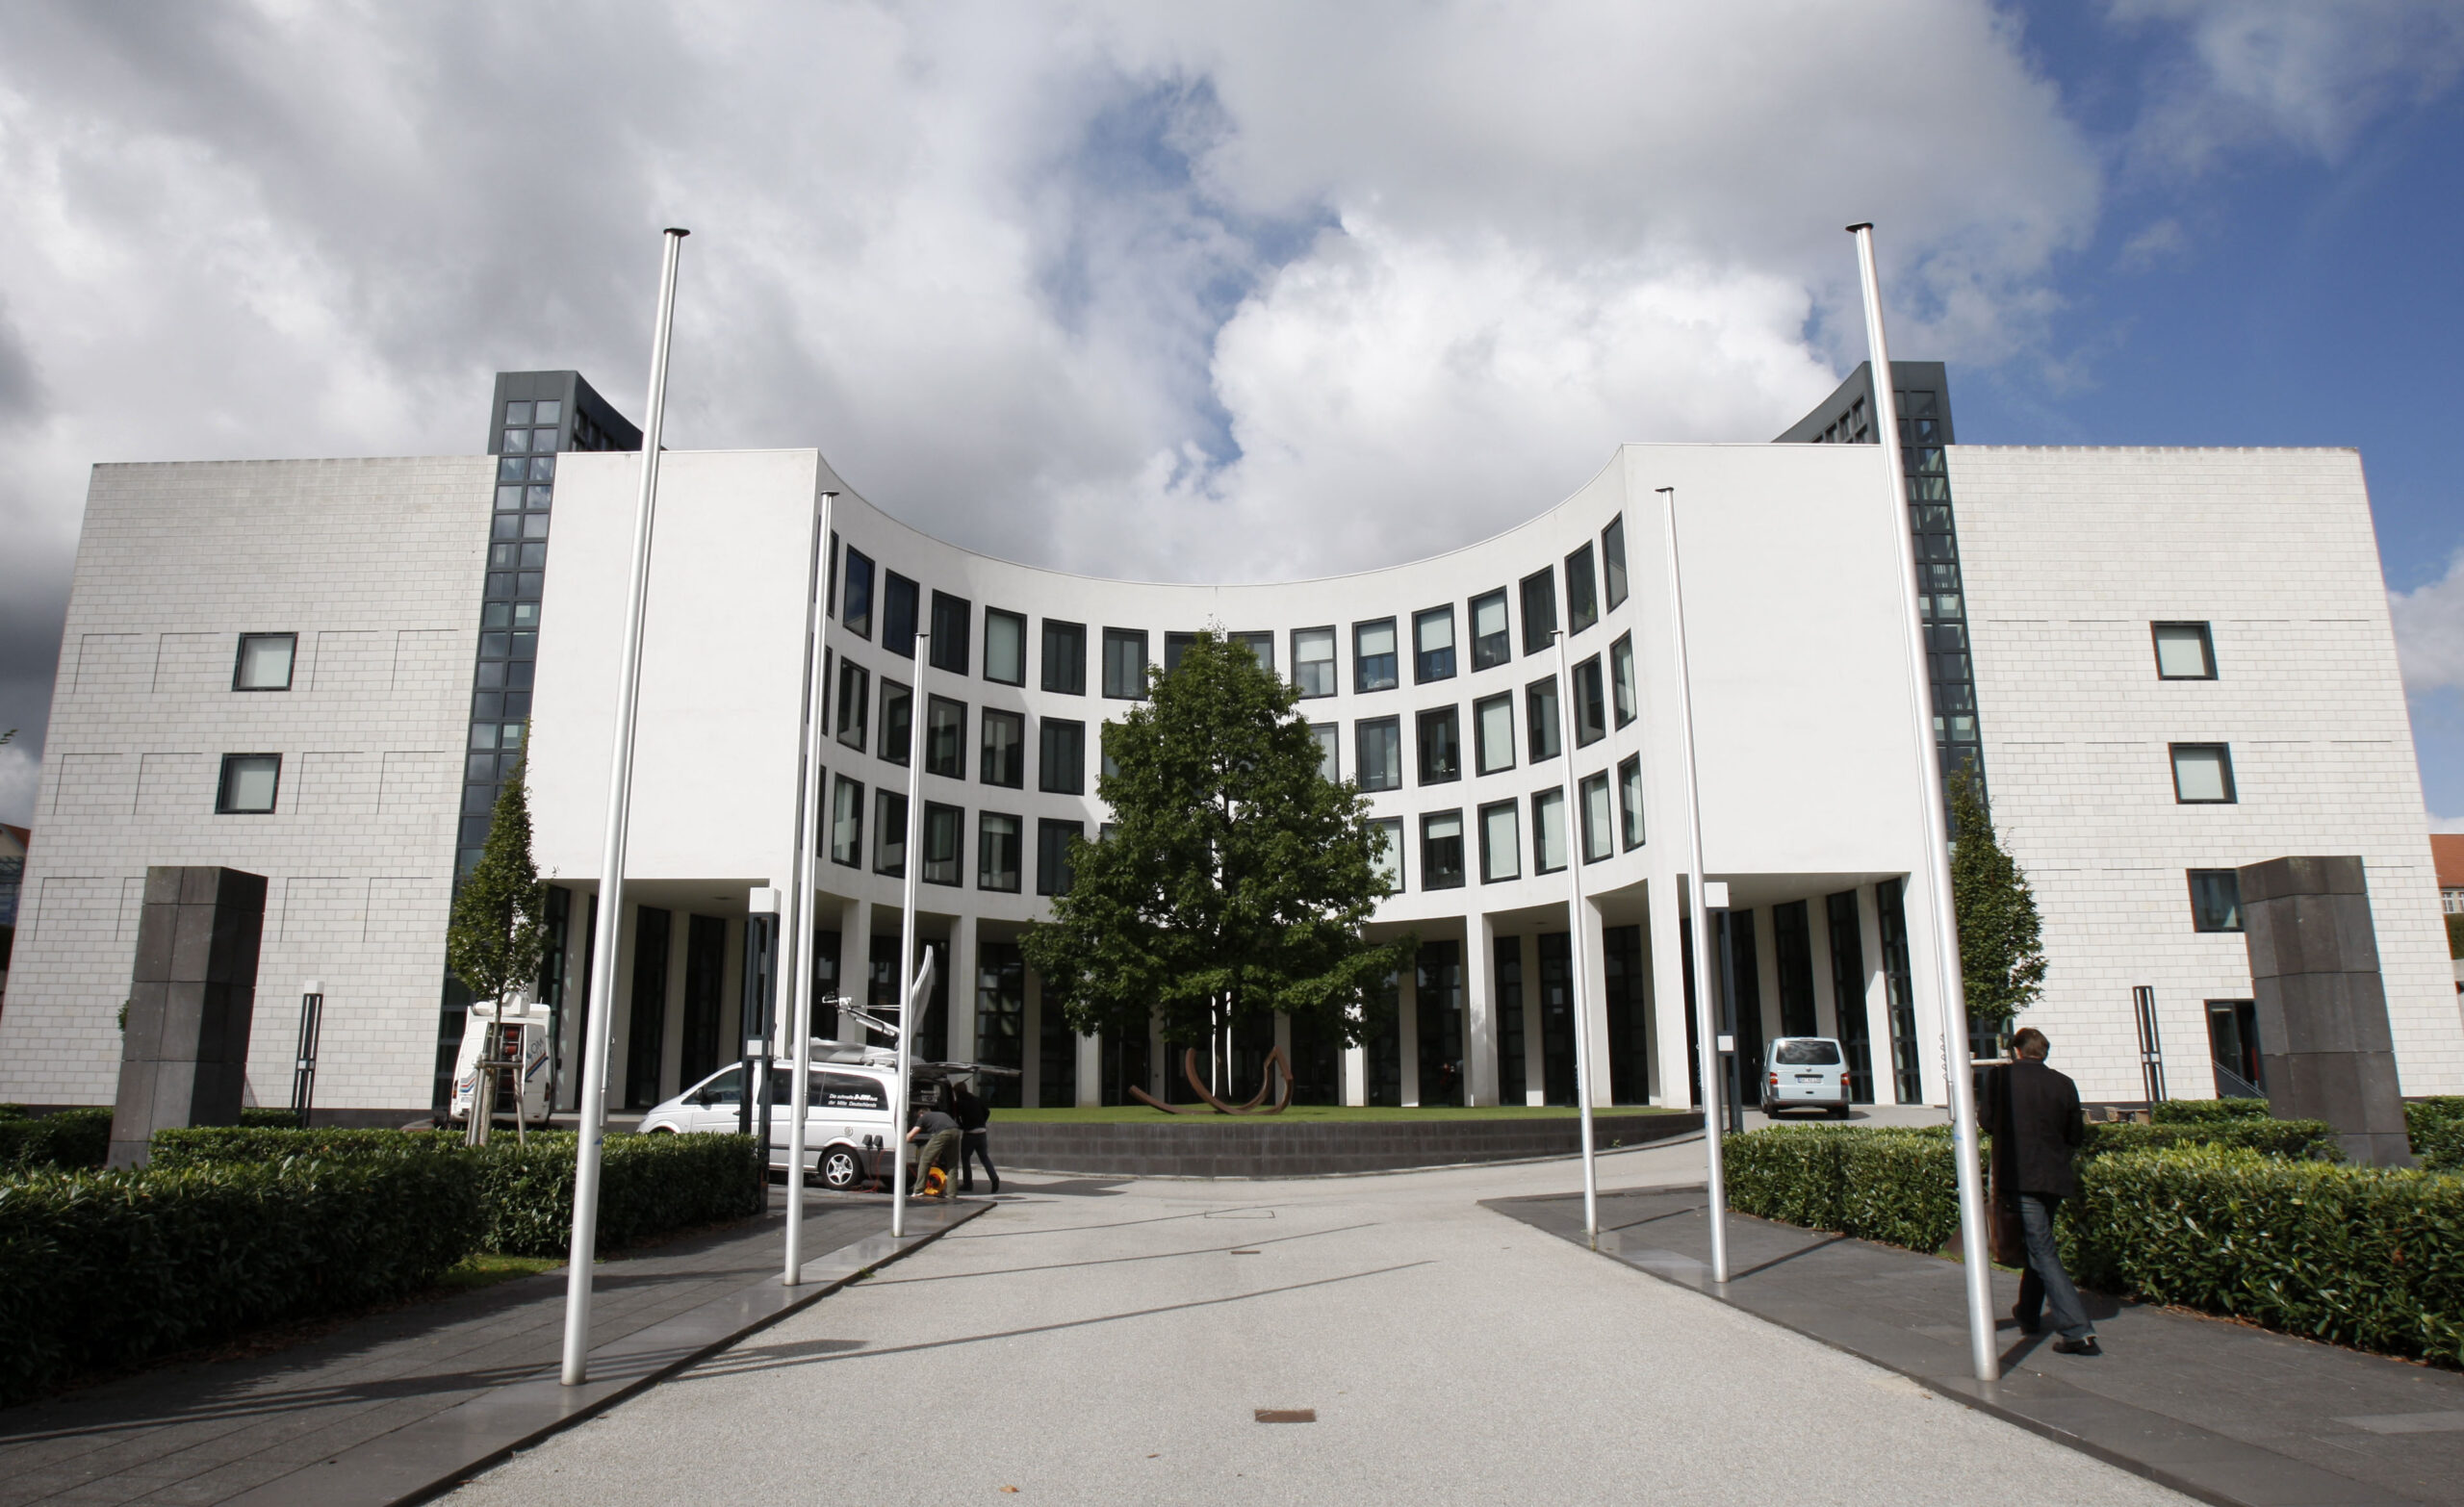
(1140, 1114)
(487, 1269)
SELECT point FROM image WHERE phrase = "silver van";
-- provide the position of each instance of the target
(1805, 1073)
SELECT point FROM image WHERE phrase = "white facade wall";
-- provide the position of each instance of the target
(376, 566)
(2070, 555)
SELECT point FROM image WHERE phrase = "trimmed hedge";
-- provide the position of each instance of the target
(2207, 1112)
(65, 1138)
(217, 1145)
(103, 1269)
(2437, 1132)
(1877, 1183)
(2313, 1140)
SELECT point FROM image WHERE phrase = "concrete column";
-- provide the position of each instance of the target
(855, 969)
(1671, 1066)
(1479, 1008)
(671, 1042)
(1355, 1067)
(1407, 1034)
(1031, 1048)
(1591, 935)
(1878, 1031)
(1826, 1002)
(2324, 1046)
(1535, 1061)
(1766, 965)
(1090, 1072)
(192, 997)
(1925, 974)
(962, 990)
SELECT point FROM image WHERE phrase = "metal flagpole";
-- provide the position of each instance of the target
(1956, 1062)
(1715, 1182)
(907, 972)
(796, 954)
(1581, 948)
(611, 868)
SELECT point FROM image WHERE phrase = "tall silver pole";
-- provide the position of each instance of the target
(1582, 949)
(1716, 1184)
(803, 857)
(907, 1011)
(611, 867)
(1956, 1063)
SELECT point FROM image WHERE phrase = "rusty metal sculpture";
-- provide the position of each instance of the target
(1277, 1064)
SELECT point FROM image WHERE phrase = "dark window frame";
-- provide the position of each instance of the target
(1002, 615)
(1046, 731)
(1539, 592)
(1542, 731)
(857, 618)
(853, 855)
(1540, 800)
(1582, 591)
(1481, 749)
(1125, 637)
(954, 767)
(2173, 752)
(239, 662)
(233, 764)
(1631, 828)
(984, 722)
(1612, 562)
(951, 820)
(1433, 664)
(1433, 874)
(1053, 873)
(953, 634)
(1488, 852)
(1065, 663)
(1582, 834)
(2206, 649)
(1591, 703)
(2203, 906)
(1447, 744)
(986, 848)
(1625, 686)
(1360, 764)
(855, 696)
(884, 751)
(1367, 668)
(1333, 662)
(885, 800)
(1491, 649)
(901, 598)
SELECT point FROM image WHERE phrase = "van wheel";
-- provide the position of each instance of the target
(1839, 1112)
(840, 1169)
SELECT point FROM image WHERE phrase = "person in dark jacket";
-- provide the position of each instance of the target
(2033, 1115)
(974, 1144)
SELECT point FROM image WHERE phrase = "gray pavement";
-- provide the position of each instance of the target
(1099, 1341)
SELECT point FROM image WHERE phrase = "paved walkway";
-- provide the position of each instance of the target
(1096, 1341)
(209, 1432)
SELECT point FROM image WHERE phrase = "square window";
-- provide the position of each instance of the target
(248, 785)
(1052, 854)
(897, 724)
(1433, 645)
(2184, 651)
(518, 413)
(1005, 646)
(264, 662)
(945, 738)
(1621, 677)
(1540, 719)
(2202, 773)
(1061, 770)
(543, 468)
(847, 823)
(1612, 560)
(1539, 610)
(1125, 664)
(1313, 661)
(953, 629)
(2215, 899)
(1442, 850)
(1492, 637)
(1583, 592)
(1372, 656)
(1390, 852)
(1500, 842)
(900, 600)
(1630, 800)
(1330, 741)
(1599, 831)
(858, 610)
(517, 441)
(1064, 657)
(1493, 732)
(1261, 648)
(547, 410)
(1591, 705)
(944, 844)
(543, 441)
(889, 834)
(1441, 744)
(535, 496)
(1002, 757)
(855, 696)
(996, 853)
(1377, 749)
(1548, 831)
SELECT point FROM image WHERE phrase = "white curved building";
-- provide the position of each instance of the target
(2171, 663)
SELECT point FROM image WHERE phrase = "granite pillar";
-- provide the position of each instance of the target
(193, 994)
(2323, 1038)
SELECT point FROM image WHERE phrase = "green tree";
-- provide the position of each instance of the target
(2001, 952)
(1236, 880)
(500, 926)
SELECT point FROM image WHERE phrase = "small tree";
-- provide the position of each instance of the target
(500, 926)
(2001, 953)
(1236, 880)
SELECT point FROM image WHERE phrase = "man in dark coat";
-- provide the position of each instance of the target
(2033, 1115)
(975, 1145)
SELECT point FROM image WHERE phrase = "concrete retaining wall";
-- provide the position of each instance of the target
(1306, 1148)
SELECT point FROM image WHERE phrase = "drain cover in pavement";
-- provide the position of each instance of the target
(1287, 1414)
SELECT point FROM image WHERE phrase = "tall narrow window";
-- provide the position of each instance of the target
(1540, 719)
(1433, 645)
(899, 603)
(858, 602)
(1064, 657)
(1372, 656)
(855, 697)
(1378, 753)
(1582, 591)
(1052, 855)
(847, 823)
(1441, 741)
(1493, 732)
(1612, 560)
(944, 841)
(1591, 705)
(1500, 842)
(1539, 610)
(953, 632)
(248, 785)
(1313, 661)
(1442, 850)
(1548, 831)
(2215, 899)
(898, 730)
(1062, 768)
(1599, 825)
(2184, 651)
(946, 737)
(1005, 646)
(1492, 640)
(1621, 677)
(1175, 644)
(1125, 664)
(889, 834)
(1261, 648)
(996, 853)
(1003, 757)
(1330, 742)
(2202, 773)
(1630, 800)
(264, 662)
(1390, 852)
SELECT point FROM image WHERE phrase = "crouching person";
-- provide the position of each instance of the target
(939, 1136)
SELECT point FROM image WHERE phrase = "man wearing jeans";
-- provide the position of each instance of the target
(2034, 1113)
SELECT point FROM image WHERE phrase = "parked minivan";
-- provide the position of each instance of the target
(1805, 1073)
(848, 1126)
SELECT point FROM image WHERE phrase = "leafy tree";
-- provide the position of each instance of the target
(1236, 880)
(500, 926)
(2001, 953)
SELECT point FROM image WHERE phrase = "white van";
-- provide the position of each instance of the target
(847, 1124)
(1805, 1073)
(513, 1032)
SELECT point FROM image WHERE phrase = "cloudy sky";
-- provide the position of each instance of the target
(1223, 291)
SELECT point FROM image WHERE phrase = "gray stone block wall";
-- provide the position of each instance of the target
(2325, 1041)
(184, 1053)
(1262, 1146)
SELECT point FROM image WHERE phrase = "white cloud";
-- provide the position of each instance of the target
(2429, 631)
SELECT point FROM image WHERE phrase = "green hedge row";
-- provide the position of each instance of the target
(2309, 1140)
(215, 1146)
(1887, 1184)
(62, 1138)
(2207, 1112)
(103, 1269)
(2437, 1126)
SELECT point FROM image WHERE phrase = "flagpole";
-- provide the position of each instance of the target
(803, 857)
(584, 1243)
(908, 1013)
(1581, 948)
